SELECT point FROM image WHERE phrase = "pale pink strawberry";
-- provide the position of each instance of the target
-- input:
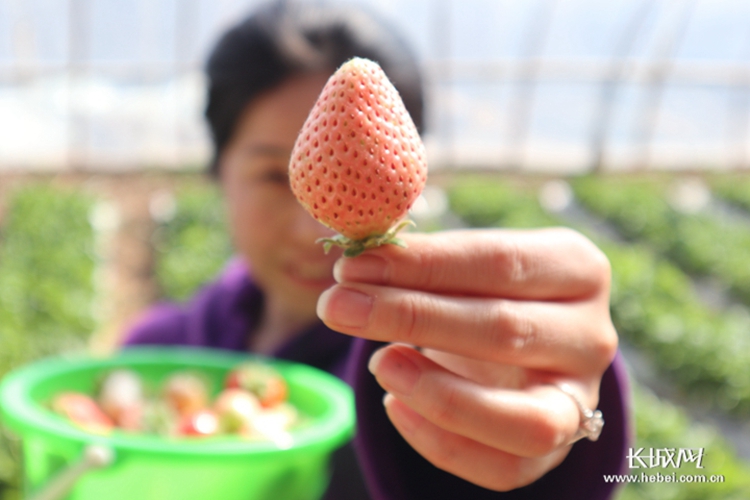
(83, 411)
(358, 163)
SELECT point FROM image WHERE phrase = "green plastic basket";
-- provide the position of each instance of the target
(152, 467)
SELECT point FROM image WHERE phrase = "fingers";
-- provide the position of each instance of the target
(503, 315)
(469, 459)
(548, 264)
(527, 423)
(572, 337)
(464, 419)
(537, 299)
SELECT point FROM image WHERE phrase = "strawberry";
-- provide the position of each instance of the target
(263, 381)
(235, 409)
(358, 163)
(200, 424)
(186, 392)
(83, 411)
(121, 398)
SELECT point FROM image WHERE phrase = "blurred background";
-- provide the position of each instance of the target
(553, 85)
(627, 120)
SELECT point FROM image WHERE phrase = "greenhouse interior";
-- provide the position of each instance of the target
(627, 121)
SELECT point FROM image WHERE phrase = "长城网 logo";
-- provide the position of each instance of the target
(654, 458)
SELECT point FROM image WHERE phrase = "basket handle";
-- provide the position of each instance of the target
(95, 456)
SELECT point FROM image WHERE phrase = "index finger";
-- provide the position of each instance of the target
(544, 264)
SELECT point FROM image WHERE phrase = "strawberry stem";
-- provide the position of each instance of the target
(352, 248)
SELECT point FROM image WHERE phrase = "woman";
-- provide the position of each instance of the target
(515, 343)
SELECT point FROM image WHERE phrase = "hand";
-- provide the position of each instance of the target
(499, 316)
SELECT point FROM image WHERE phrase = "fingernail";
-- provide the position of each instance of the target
(375, 360)
(387, 397)
(394, 371)
(365, 268)
(344, 307)
(337, 270)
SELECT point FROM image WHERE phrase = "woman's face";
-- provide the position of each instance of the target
(270, 228)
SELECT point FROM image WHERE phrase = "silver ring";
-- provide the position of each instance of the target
(592, 421)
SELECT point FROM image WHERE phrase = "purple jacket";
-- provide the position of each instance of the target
(223, 314)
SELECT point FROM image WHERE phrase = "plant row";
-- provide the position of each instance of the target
(661, 425)
(700, 243)
(47, 289)
(734, 189)
(193, 245)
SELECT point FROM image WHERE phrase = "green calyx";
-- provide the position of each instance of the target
(352, 248)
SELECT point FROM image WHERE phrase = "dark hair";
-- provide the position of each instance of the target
(285, 38)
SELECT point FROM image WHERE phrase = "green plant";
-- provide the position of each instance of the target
(47, 263)
(734, 189)
(194, 245)
(662, 425)
(701, 243)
